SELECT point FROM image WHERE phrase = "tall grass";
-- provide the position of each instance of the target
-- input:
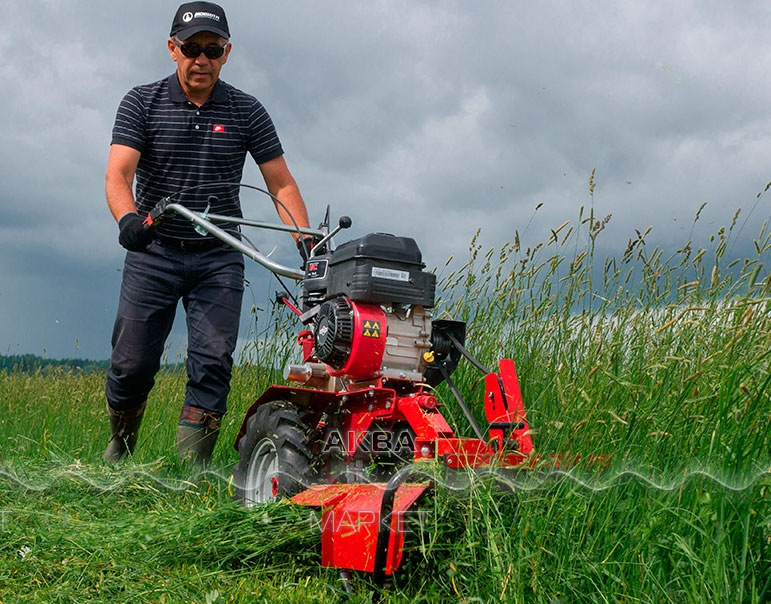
(659, 360)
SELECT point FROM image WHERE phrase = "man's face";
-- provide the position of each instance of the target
(198, 75)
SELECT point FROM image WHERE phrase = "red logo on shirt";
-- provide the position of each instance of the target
(218, 128)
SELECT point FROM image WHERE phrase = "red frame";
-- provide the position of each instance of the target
(351, 512)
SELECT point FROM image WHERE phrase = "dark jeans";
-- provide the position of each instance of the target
(210, 284)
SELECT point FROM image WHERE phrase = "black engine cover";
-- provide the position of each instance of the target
(378, 268)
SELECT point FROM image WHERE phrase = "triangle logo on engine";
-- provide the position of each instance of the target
(371, 329)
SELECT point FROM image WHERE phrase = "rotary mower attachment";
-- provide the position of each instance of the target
(363, 524)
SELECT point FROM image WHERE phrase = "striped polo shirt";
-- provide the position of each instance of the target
(191, 153)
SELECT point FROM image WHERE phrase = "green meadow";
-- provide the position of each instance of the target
(656, 360)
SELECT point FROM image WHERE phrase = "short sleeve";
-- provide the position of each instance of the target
(263, 142)
(130, 122)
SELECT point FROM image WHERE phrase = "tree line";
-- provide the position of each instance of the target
(33, 364)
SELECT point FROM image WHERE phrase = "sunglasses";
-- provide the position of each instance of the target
(192, 50)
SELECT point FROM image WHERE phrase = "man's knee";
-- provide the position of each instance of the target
(128, 386)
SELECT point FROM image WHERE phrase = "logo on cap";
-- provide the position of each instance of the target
(203, 15)
(187, 17)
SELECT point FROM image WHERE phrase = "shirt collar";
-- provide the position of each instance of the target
(218, 94)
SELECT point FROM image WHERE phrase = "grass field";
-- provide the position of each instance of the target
(660, 362)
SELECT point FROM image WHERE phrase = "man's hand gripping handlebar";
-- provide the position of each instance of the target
(134, 233)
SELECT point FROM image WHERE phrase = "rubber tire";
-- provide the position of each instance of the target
(274, 458)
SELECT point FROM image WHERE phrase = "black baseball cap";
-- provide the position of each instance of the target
(194, 17)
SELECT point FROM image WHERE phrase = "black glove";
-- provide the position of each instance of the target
(133, 234)
(304, 246)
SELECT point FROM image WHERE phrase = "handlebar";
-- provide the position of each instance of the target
(164, 207)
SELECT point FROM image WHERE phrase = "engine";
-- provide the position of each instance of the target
(368, 305)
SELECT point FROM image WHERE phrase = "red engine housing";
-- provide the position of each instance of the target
(351, 338)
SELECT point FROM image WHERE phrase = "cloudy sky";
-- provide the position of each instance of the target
(422, 118)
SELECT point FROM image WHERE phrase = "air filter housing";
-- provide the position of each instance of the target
(378, 268)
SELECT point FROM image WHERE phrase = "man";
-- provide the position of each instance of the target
(186, 136)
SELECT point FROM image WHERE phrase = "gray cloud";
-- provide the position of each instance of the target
(430, 119)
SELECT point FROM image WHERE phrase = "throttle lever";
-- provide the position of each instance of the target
(344, 223)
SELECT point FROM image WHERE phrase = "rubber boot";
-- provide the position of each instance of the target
(197, 434)
(125, 430)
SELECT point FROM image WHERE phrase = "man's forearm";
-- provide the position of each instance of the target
(292, 210)
(119, 180)
(120, 198)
